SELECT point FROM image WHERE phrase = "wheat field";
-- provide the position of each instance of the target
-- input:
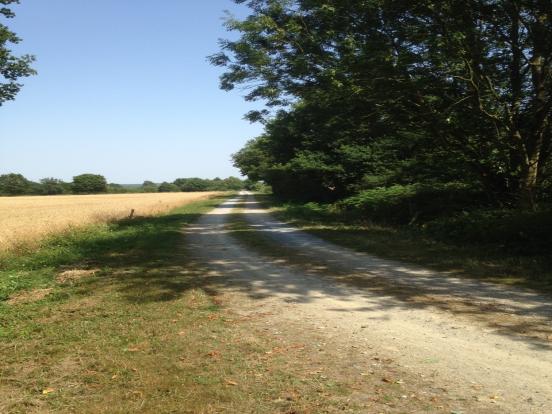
(26, 220)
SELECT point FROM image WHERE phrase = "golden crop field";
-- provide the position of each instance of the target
(28, 219)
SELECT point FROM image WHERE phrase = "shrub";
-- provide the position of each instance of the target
(402, 204)
(522, 232)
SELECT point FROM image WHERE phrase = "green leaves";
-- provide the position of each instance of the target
(12, 67)
(465, 84)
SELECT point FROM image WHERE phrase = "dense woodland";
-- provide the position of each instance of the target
(451, 98)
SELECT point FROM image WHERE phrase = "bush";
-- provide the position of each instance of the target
(403, 204)
(521, 232)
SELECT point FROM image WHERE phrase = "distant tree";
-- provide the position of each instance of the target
(89, 184)
(166, 187)
(149, 187)
(216, 184)
(233, 184)
(11, 67)
(14, 184)
(192, 184)
(52, 186)
(114, 188)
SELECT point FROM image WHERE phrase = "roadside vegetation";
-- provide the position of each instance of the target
(116, 318)
(120, 317)
(497, 245)
(420, 131)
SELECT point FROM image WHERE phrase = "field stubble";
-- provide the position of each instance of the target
(27, 220)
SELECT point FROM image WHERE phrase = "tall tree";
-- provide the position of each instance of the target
(12, 67)
(468, 81)
(14, 184)
(89, 184)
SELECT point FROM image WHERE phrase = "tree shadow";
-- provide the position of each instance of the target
(143, 257)
(521, 314)
(157, 259)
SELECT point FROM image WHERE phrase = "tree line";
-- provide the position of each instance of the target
(16, 184)
(375, 94)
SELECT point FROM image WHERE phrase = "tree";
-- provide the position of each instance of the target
(89, 184)
(52, 186)
(166, 187)
(192, 184)
(232, 184)
(14, 184)
(114, 188)
(398, 89)
(149, 187)
(11, 67)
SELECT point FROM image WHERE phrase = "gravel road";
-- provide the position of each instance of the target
(487, 344)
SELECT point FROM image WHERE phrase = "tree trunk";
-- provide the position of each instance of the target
(536, 139)
(528, 183)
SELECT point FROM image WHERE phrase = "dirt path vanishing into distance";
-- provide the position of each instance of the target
(488, 348)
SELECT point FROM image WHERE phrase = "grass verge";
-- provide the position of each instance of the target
(485, 261)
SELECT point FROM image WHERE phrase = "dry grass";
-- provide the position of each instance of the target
(25, 220)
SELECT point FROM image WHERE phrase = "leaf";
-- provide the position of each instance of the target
(47, 391)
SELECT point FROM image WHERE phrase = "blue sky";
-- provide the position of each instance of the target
(123, 89)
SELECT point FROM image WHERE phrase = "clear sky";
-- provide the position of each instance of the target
(124, 90)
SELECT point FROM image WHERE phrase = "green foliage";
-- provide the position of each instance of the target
(229, 184)
(166, 187)
(89, 184)
(52, 186)
(149, 187)
(114, 188)
(498, 245)
(203, 184)
(403, 204)
(11, 67)
(520, 232)
(192, 184)
(257, 186)
(395, 93)
(14, 184)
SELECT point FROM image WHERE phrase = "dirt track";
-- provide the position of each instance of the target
(488, 345)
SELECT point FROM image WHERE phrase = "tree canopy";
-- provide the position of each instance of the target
(89, 184)
(12, 67)
(14, 184)
(369, 93)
